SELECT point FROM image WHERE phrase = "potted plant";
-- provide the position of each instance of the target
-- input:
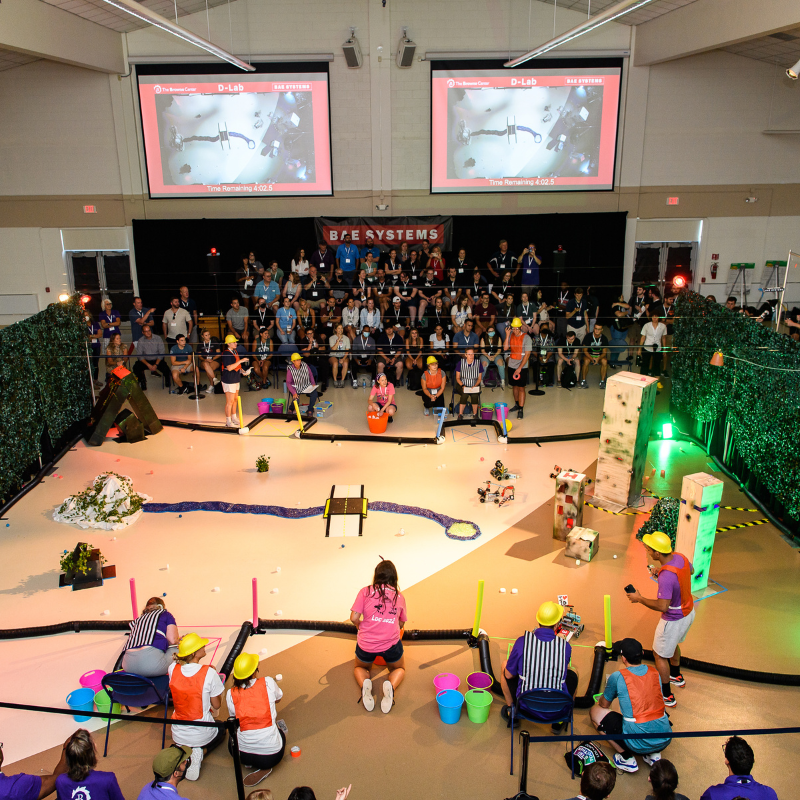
(262, 463)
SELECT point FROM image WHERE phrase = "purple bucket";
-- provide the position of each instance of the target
(479, 680)
(446, 680)
(487, 412)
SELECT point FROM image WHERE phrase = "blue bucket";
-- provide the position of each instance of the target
(450, 702)
(81, 700)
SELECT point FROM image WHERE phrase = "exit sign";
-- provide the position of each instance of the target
(672, 201)
(90, 209)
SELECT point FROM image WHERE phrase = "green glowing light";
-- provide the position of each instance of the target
(666, 430)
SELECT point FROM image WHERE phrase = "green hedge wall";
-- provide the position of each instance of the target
(762, 404)
(44, 379)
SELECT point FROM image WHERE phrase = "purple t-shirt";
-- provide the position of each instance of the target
(669, 588)
(96, 785)
(739, 786)
(20, 787)
(514, 665)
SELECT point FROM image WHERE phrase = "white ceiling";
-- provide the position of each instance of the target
(9, 59)
(779, 48)
(648, 12)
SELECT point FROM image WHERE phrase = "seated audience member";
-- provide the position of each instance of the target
(169, 769)
(268, 290)
(153, 641)
(292, 290)
(453, 287)
(370, 267)
(360, 290)
(491, 348)
(323, 260)
(439, 345)
(381, 398)
(428, 289)
(252, 701)
(466, 338)
(306, 317)
(620, 325)
(351, 319)
(397, 315)
(505, 313)
(263, 361)
(544, 345)
(433, 384)
(233, 357)
(436, 262)
(518, 348)
(502, 289)
(277, 273)
(363, 352)
(543, 309)
(391, 353)
(150, 358)
(379, 614)
(262, 319)
(237, 321)
(650, 343)
(438, 315)
(739, 759)
(576, 314)
(339, 358)
(414, 365)
(569, 355)
(595, 352)
(81, 779)
(383, 289)
(314, 349)
(339, 286)
(528, 312)
(370, 316)
(663, 780)
(196, 695)
(300, 263)
(407, 292)
(286, 322)
(391, 266)
(139, 317)
(460, 312)
(468, 377)
(315, 289)
(476, 286)
(484, 314)
(116, 354)
(31, 787)
(597, 782)
(246, 277)
(208, 356)
(330, 315)
(642, 710)
(539, 660)
(180, 356)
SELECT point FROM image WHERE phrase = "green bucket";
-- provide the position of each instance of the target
(103, 703)
(479, 702)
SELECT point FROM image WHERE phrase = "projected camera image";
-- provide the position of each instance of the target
(533, 132)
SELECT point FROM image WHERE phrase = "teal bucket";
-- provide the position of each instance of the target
(450, 702)
(81, 700)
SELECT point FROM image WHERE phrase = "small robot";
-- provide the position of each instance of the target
(570, 625)
(500, 473)
(500, 495)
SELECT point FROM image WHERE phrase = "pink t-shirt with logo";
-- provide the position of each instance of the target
(380, 624)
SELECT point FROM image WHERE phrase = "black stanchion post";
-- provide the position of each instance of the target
(232, 724)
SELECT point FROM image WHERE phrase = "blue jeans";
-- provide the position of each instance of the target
(618, 344)
(286, 338)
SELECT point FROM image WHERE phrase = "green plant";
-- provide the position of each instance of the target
(90, 500)
(262, 463)
(78, 560)
(664, 518)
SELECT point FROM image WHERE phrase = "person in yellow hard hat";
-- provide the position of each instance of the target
(518, 346)
(196, 691)
(539, 660)
(676, 605)
(234, 356)
(433, 381)
(252, 701)
(301, 378)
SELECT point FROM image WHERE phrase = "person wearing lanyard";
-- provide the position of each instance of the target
(391, 266)
(476, 287)
(360, 290)
(428, 290)
(183, 364)
(436, 262)
(452, 287)
(286, 321)
(347, 257)
(263, 362)
(563, 297)
(568, 354)
(169, 769)
(433, 383)
(315, 289)
(544, 344)
(339, 347)
(246, 279)
(413, 269)
(95, 334)
(390, 352)
(500, 290)
(383, 289)
(109, 322)
(351, 319)
(502, 261)
(595, 352)
(381, 398)
(439, 317)
(371, 316)
(363, 350)
(530, 264)
(505, 313)
(528, 314)
(232, 360)
(138, 318)
(369, 249)
(208, 353)
(576, 314)
(312, 348)
(492, 353)
(263, 318)
(469, 374)
(189, 305)
(323, 259)
(462, 266)
(176, 320)
(398, 315)
(306, 318)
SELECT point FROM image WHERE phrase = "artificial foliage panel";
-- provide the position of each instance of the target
(44, 380)
(758, 387)
(664, 518)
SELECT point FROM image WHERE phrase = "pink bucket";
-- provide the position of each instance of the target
(446, 680)
(264, 406)
(92, 680)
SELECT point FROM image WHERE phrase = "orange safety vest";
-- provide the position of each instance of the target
(647, 701)
(433, 381)
(252, 706)
(515, 342)
(684, 574)
(187, 693)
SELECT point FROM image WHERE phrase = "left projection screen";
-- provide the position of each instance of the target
(233, 136)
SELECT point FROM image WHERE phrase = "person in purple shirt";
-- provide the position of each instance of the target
(82, 781)
(739, 759)
(30, 787)
(169, 769)
(324, 260)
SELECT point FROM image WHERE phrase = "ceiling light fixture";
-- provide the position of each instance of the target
(610, 14)
(146, 15)
(793, 72)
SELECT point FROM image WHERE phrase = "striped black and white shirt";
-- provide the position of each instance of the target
(544, 663)
(470, 372)
(302, 377)
(145, 629)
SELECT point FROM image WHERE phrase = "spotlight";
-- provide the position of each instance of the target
(717, 360)
(679, 282)
(666, 430)
(85, 298)
(63, 297)
(213, 251)
(793, 72)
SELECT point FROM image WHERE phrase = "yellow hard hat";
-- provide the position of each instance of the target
(244, 666)
(297, 357)
(658, 541)
(190, 643)
(432, 360)
(516, 322)
(230, 338)
(549, 613)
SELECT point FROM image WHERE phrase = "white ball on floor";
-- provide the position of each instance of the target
(105, 613)
(502, 591)
(274, 591)
(614, 556)
(279, 677)
(577, 562)
(277, 569)
(215, 589)
(514, 591)
(438, 467)
(263, 651)
(402, 531)
(279, 613)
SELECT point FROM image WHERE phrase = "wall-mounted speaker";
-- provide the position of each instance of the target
(405, 51)
(352, 51)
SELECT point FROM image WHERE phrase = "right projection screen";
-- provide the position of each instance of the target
(503, 130)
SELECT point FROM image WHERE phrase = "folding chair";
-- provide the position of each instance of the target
(544, 706)
(129, 689)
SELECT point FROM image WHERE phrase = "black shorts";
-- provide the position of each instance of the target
(523, 376)
(611, 724)
(390, 656)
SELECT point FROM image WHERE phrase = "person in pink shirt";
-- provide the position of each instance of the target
(379, 613)
(381, 398)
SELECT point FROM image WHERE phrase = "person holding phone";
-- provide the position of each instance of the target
(529, 266)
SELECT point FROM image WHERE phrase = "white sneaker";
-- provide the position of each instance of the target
(355, 384)
(216, 381)
(388, 697)
(210, 390)
(622, 764)
(235, 421)
(426, 412)
(229, 424)
(193, 773)
(651, 758)
(366, 695)
(502, 385)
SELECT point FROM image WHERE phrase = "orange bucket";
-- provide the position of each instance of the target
(377, 424)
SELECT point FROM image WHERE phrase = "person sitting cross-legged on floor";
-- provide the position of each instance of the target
(301, 378)
(539, 660)
(169, 769)
(252, 701)
(196, 696)
(642, 710)
(31, 787)
(382, 397)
